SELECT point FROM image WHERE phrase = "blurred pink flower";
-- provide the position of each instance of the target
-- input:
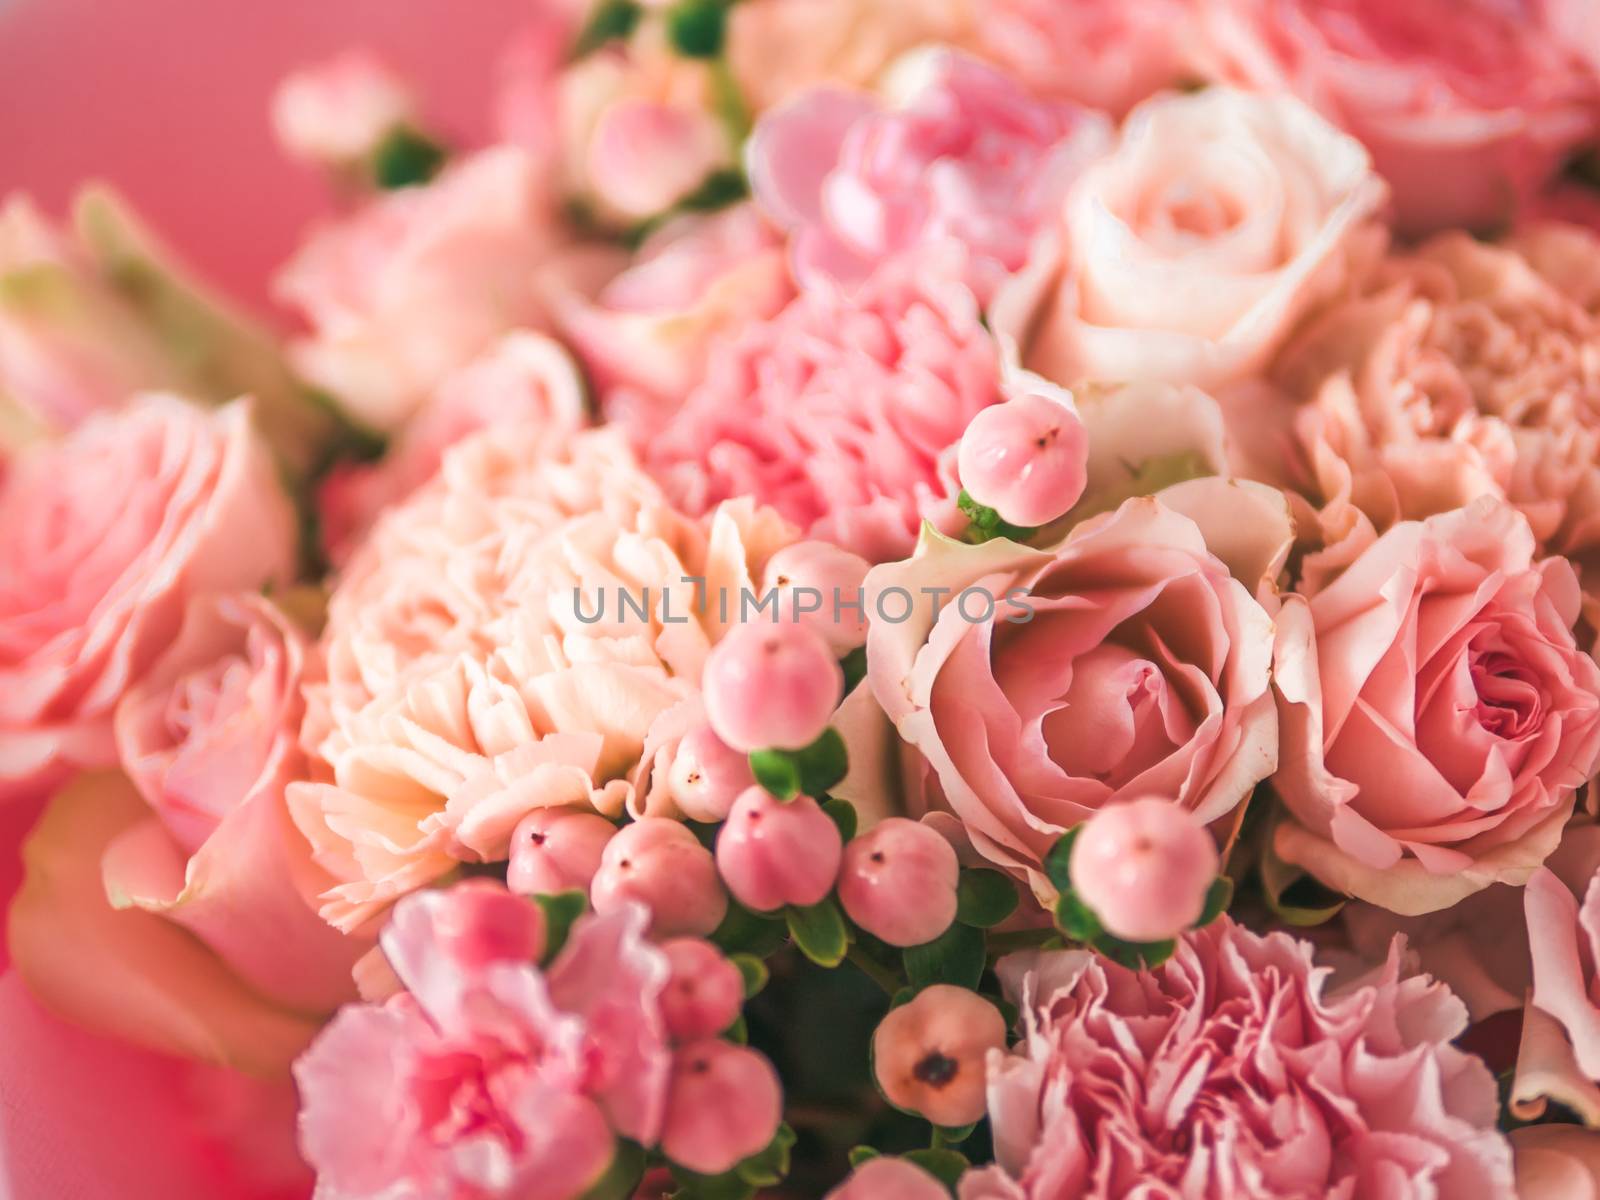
(491, 1078)
(1233, 1069)
(335, 112)
(842, 413)
(963, 154)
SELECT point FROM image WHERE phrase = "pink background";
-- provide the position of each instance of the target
(168, 100)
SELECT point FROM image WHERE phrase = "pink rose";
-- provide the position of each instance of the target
(965, 154)
(1129, 661)
(491, 1079)
(481, 660)
(1436, 715)
(843, 413)
(523, 379)
(1234, 1069)
(1467, 107)
(646, 338)
(1190, 252)
(1462, 370)
(421, 280)
(104, 537)
(336, 112)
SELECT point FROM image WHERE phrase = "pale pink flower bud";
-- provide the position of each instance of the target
(819, 584)
(889, 1179)
(646, 156)
(724, 1104)
(1025, 459)
(773, 853)
(705, 992)
(899, 882)
(771, 686)
(336, 112)
(660, 864)
(929, 1054)
(482, 923)
(707, 775)
(557, 850)
(1144, 867)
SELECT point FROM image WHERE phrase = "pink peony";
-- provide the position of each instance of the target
(1127, 662)
(1231, 1070)
(1436, 715)
(493, 1078)
(420, 281)
(1190, 252)
(523, 379)
(481, 660)
(104, 537)
(1466, 105)
(844, 414)
(646, 337)
(965, 155)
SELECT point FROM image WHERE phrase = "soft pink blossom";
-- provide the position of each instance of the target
(1129, 661)
(1025, 459)
(772, 853)
(964, 154)
(930, 1054)
(843, 413)
(658, 863)
(1436, 715)
(557, 850)
(705, 992)
(724, 1105)
(1190, 252)
(1144, 867)
(494, 1078)
(335, 113)
(898, 881)
(1234, 1069)
(104, 538)
(771, 686)
(1467, 106)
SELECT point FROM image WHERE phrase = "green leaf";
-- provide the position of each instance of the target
(985, 524)
(955, 956)
(561, 909)
(768, 1167)
(745, 932)
(728, 1186)
(404, 158)
(863, 1154)
(854, 666)
(984, 898)
(622, 1176)
(1055, 863)
(811, 771)
(960, 1133)
(738, 1032)
(844, 816)
(820, 932)
(1294, 896)
(778, 771)
(753, 970)
(1218, 898)
(612, 19)
(945, 1165)
(696, 27)
(1135, 955)
(1076, 919)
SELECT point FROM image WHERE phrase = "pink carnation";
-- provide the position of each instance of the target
(1234, 1070)
(843, 414)
(489, 1078)
(968, 155)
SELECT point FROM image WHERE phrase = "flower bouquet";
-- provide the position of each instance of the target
(876, 599)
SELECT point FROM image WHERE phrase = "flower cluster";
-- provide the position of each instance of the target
(872, 598)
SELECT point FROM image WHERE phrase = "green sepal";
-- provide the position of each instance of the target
(820, 932)
(844, 816)
(404, 158)
(753, 971)
(984, 898)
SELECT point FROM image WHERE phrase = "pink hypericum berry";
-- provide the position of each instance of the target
(707, 775)
(1144, 867)
(899, 882)
(705, 993)
(483, 923)
(771, 686)
(659, 863)
(929, 1054)
(819, 584)
(1024, 459)
(556, 850)
(889, 1179)
(772, 853)
(723, 1105)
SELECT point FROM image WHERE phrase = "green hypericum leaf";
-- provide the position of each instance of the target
(1075, 918)
(984, 898)
(405, 158)
(1135, 955)
(769, 1167)
(612, 19)
(561, 909)
(1294, 896)
(1218, 898)
(696, 26)
(984, 524)
(955, 956)
(778, 771)
(728, 1186)
(622, 1176)
(854, 666)
(843, 814)
(754, 972)
(863, 1154)
(960, 1133)
(1055, 863)
(811, 771)
(745, 932)
(820, 932)
(943, 1164)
